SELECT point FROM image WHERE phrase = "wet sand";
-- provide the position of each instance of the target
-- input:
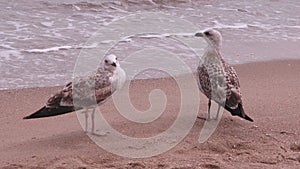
(271, 94)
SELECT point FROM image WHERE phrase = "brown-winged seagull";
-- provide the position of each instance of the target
(104, 82)
(216, 75)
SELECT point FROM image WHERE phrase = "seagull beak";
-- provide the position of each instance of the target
(199, 34)
(114, 64)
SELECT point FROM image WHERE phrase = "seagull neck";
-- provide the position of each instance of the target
(214, 51)
(212, 56)
(121, 76)
(110, 70)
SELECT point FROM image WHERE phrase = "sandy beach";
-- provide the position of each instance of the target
(271, 96)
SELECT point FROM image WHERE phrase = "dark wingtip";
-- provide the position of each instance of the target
(27, 117)
(243, 114)
(248, 118)
(47, 112)
(37, 114)
(239, 112)
(32, 116)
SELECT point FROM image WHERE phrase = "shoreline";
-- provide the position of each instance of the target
(234, 65)
(271, 94)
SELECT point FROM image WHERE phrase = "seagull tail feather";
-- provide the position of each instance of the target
(239, 111)
(47, 112)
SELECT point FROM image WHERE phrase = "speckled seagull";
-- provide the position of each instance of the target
(104, 82)
(217, 79)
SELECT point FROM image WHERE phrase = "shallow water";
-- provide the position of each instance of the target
(40, 40)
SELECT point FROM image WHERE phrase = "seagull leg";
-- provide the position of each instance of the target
(208, 114)
(86, 120)
(93, 121)
(218, 113)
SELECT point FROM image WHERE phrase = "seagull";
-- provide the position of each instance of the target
(217, 80)
(104, 82)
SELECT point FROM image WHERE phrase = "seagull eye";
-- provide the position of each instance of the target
(207, 33)
(106, 61)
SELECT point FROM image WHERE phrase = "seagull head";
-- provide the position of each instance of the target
(111, 62)
(212, 37)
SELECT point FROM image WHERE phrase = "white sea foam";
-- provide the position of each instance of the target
(6, 46)
(154, 36)
(47, 24)
(219, 25)
(167, 35)
(270, 27)
(51, 49)
(126, 39)
(107, 41)
(77, 7)
(57, 48)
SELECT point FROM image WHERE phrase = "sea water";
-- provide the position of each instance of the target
(41, 40)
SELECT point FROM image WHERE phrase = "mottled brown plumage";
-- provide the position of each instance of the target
(98, 82)
(80, 95)
(218, 80)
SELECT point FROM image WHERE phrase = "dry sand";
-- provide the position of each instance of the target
(271, 94)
